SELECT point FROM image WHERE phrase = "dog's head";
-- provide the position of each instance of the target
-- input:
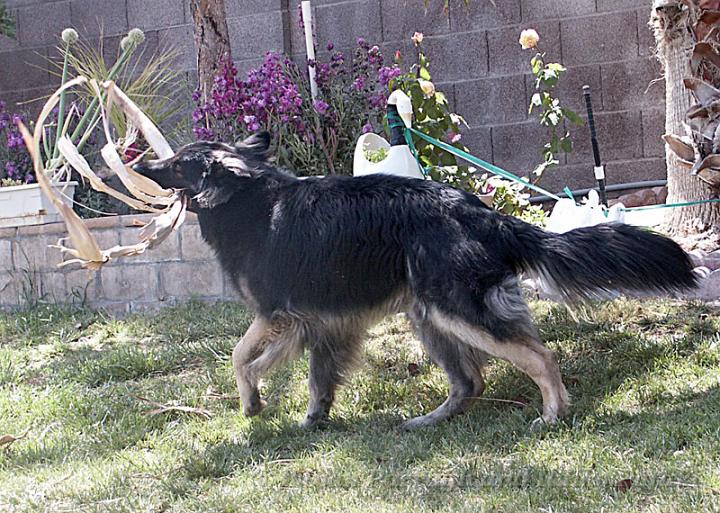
(210, 172)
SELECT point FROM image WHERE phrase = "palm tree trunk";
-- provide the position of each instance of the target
(671, 24)
(211, 40)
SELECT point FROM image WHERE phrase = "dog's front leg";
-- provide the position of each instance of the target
(250, 347)
(266, 343)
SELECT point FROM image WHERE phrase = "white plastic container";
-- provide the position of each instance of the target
(399, 161)
(22, 205)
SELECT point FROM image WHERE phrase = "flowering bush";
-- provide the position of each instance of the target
(312, 137)
(15, 165)
(551, 113)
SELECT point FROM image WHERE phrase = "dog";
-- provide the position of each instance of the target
(320, 260)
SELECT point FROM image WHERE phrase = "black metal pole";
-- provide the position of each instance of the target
(599, 168)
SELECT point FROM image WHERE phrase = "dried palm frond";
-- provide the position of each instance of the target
(147, 195)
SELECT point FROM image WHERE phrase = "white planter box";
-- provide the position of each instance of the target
(21, 205)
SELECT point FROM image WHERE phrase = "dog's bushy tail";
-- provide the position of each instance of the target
(594, 262)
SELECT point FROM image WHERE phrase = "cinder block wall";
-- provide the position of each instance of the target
(181, 268)
(474, 51)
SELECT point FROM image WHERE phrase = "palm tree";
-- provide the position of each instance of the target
(687, 33)
(212, 41)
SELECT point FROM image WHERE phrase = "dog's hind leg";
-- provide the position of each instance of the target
(330, 359)
(526, 352)
(266, 343)
(463, 365)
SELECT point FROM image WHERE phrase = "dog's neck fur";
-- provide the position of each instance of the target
(240, 226)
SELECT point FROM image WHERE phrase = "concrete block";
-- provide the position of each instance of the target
(94, 17)
(51, 286)
(180, 39)
(168, 250)
(9, 289)
(184, 280)
(483, 15)
(449, 64)
(41, 23)
(6, 260)
(619, 136)
(619, 5)
(8, 44)
(507, 56)
(570, 88)
(129, 282)
(578, 176)
(253, 35)
(632, 84)
(479, 142)
(158, 13)
(193, 245)
(636, 170)
(492, 101)
(34, 254)
(653, 128)
(402, 18)
(234, 8)
(343, 23)
(541, 9)
(83, 285)
(646, 38)
(614, 38)
(518, 147)
(23, 69)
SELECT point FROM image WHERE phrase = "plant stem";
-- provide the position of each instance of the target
(61, 107)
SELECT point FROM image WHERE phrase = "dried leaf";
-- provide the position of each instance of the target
(8, 440)
(708, 170)
(710, 17)
(140, 120)
(623, 485)
(70, 152)
(115, 163)
(709, 4)
(165, 408)
(86, 248)
(704, 52)
(681, 146)
(704, 92)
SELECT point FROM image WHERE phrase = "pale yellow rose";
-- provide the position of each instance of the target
(529, 39)
(428, 88)
(417, 38)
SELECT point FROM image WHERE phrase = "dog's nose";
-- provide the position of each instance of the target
(139, 168)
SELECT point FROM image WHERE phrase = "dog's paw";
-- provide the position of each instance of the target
(417, 423)
(314, 421)
(543, 422)
(254, 408)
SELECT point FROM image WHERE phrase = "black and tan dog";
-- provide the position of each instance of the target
(320, 260)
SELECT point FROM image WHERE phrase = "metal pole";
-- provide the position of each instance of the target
(309, 45)
(599, 168)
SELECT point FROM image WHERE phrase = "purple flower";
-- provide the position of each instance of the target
(359, 83)
(386, 74)
(321, 107)
(367, 128)
(330, 47)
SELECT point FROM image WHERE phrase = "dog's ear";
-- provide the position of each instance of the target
(257, 146)
(220, 182)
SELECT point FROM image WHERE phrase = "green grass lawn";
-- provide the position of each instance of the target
(644, 378)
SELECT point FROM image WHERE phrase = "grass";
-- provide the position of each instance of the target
(644, 377)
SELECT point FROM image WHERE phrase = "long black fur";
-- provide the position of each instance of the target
(341, 246)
